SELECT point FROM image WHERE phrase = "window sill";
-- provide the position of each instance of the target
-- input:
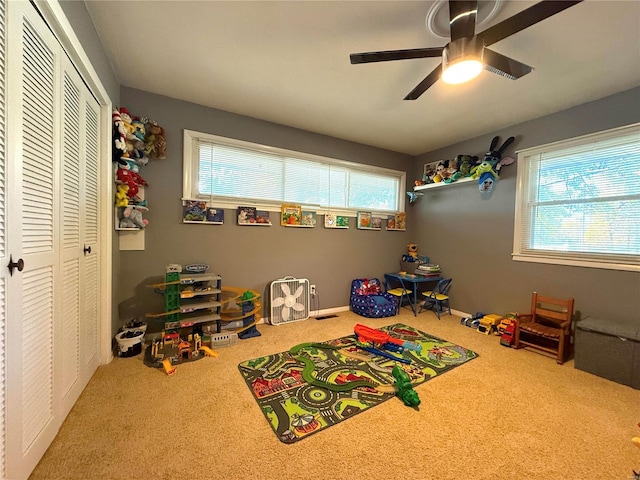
(518, 257)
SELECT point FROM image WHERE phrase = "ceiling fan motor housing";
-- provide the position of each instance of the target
(465, 48)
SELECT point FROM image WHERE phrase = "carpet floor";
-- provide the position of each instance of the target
(509, 414)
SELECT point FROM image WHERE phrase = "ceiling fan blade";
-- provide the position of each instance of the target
(505, 66)
(462, 18)
(368, 57)
(425, 84)
(524, 19)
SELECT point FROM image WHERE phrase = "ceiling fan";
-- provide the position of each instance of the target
(467, 53)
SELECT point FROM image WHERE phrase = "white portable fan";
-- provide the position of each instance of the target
(289, 300)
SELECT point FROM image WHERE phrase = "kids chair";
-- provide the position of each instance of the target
(400, 295)
(547, 327)
(368, 300)
(438, 297)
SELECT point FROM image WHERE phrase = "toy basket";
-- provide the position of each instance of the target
(410, 267)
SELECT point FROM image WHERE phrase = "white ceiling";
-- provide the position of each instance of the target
(288, 63)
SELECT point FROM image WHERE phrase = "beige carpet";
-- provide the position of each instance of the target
(509, 414)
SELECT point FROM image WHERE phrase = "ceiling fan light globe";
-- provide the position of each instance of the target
(462, 71)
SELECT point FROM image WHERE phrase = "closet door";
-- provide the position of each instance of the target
(49, 187)
(89, 273)
(77, 327)
(52, 207)
(78, 324)
(4, 256)
(31, 417)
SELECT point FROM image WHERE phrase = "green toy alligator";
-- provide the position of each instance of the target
(405, 390)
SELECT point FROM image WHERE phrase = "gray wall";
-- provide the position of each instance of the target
(472, 238)
(469, 237)
(247, 257)
(80, 20)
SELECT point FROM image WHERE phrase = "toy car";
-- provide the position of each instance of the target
(473, 320)
(508, 337)
(488, 323)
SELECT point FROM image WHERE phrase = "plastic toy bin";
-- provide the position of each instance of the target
(609, 349)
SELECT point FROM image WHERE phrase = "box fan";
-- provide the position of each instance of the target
(289, 298)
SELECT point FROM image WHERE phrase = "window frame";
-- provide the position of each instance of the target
(522, 252)
(190, 172)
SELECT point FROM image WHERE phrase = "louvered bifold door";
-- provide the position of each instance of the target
(90, 286)
(67, 328)
(78, 237)
(4, 257)
(33, 150)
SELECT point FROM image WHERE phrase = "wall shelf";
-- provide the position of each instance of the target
(442, 184)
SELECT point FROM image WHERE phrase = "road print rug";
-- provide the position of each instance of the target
(347, 379)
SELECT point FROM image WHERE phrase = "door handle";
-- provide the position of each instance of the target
(19, 264)
(86, 249)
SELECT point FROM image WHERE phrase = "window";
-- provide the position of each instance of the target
(230, 172)
(578, 201)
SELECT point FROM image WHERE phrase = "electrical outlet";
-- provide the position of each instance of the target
(313, 290)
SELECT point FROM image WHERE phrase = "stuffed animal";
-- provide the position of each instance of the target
(156, 142)
(369, 287)
(122, 197)
(487, 172)
(130, 178)
(413, 250)
(132, 218)
(119, 136)
(137, 144)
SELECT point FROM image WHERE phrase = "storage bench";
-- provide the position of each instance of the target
(609, 349)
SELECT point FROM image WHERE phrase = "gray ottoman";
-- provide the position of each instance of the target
(609, 349)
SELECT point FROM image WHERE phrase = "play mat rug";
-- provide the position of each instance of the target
(296, 409)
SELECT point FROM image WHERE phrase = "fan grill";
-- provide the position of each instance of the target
(290, 300)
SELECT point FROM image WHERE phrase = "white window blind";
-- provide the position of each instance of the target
(228, 172)
(578, 201)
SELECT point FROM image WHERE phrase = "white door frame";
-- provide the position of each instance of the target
(57, 21)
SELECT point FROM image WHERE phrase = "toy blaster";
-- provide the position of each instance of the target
(379, 337)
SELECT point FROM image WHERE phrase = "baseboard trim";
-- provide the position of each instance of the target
(345, 308)
(315, 313)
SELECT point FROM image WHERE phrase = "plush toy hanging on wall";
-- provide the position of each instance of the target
(487, 172)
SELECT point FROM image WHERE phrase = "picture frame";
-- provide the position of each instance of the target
(436, 172)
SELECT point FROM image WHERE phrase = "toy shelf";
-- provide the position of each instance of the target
(429, 186)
